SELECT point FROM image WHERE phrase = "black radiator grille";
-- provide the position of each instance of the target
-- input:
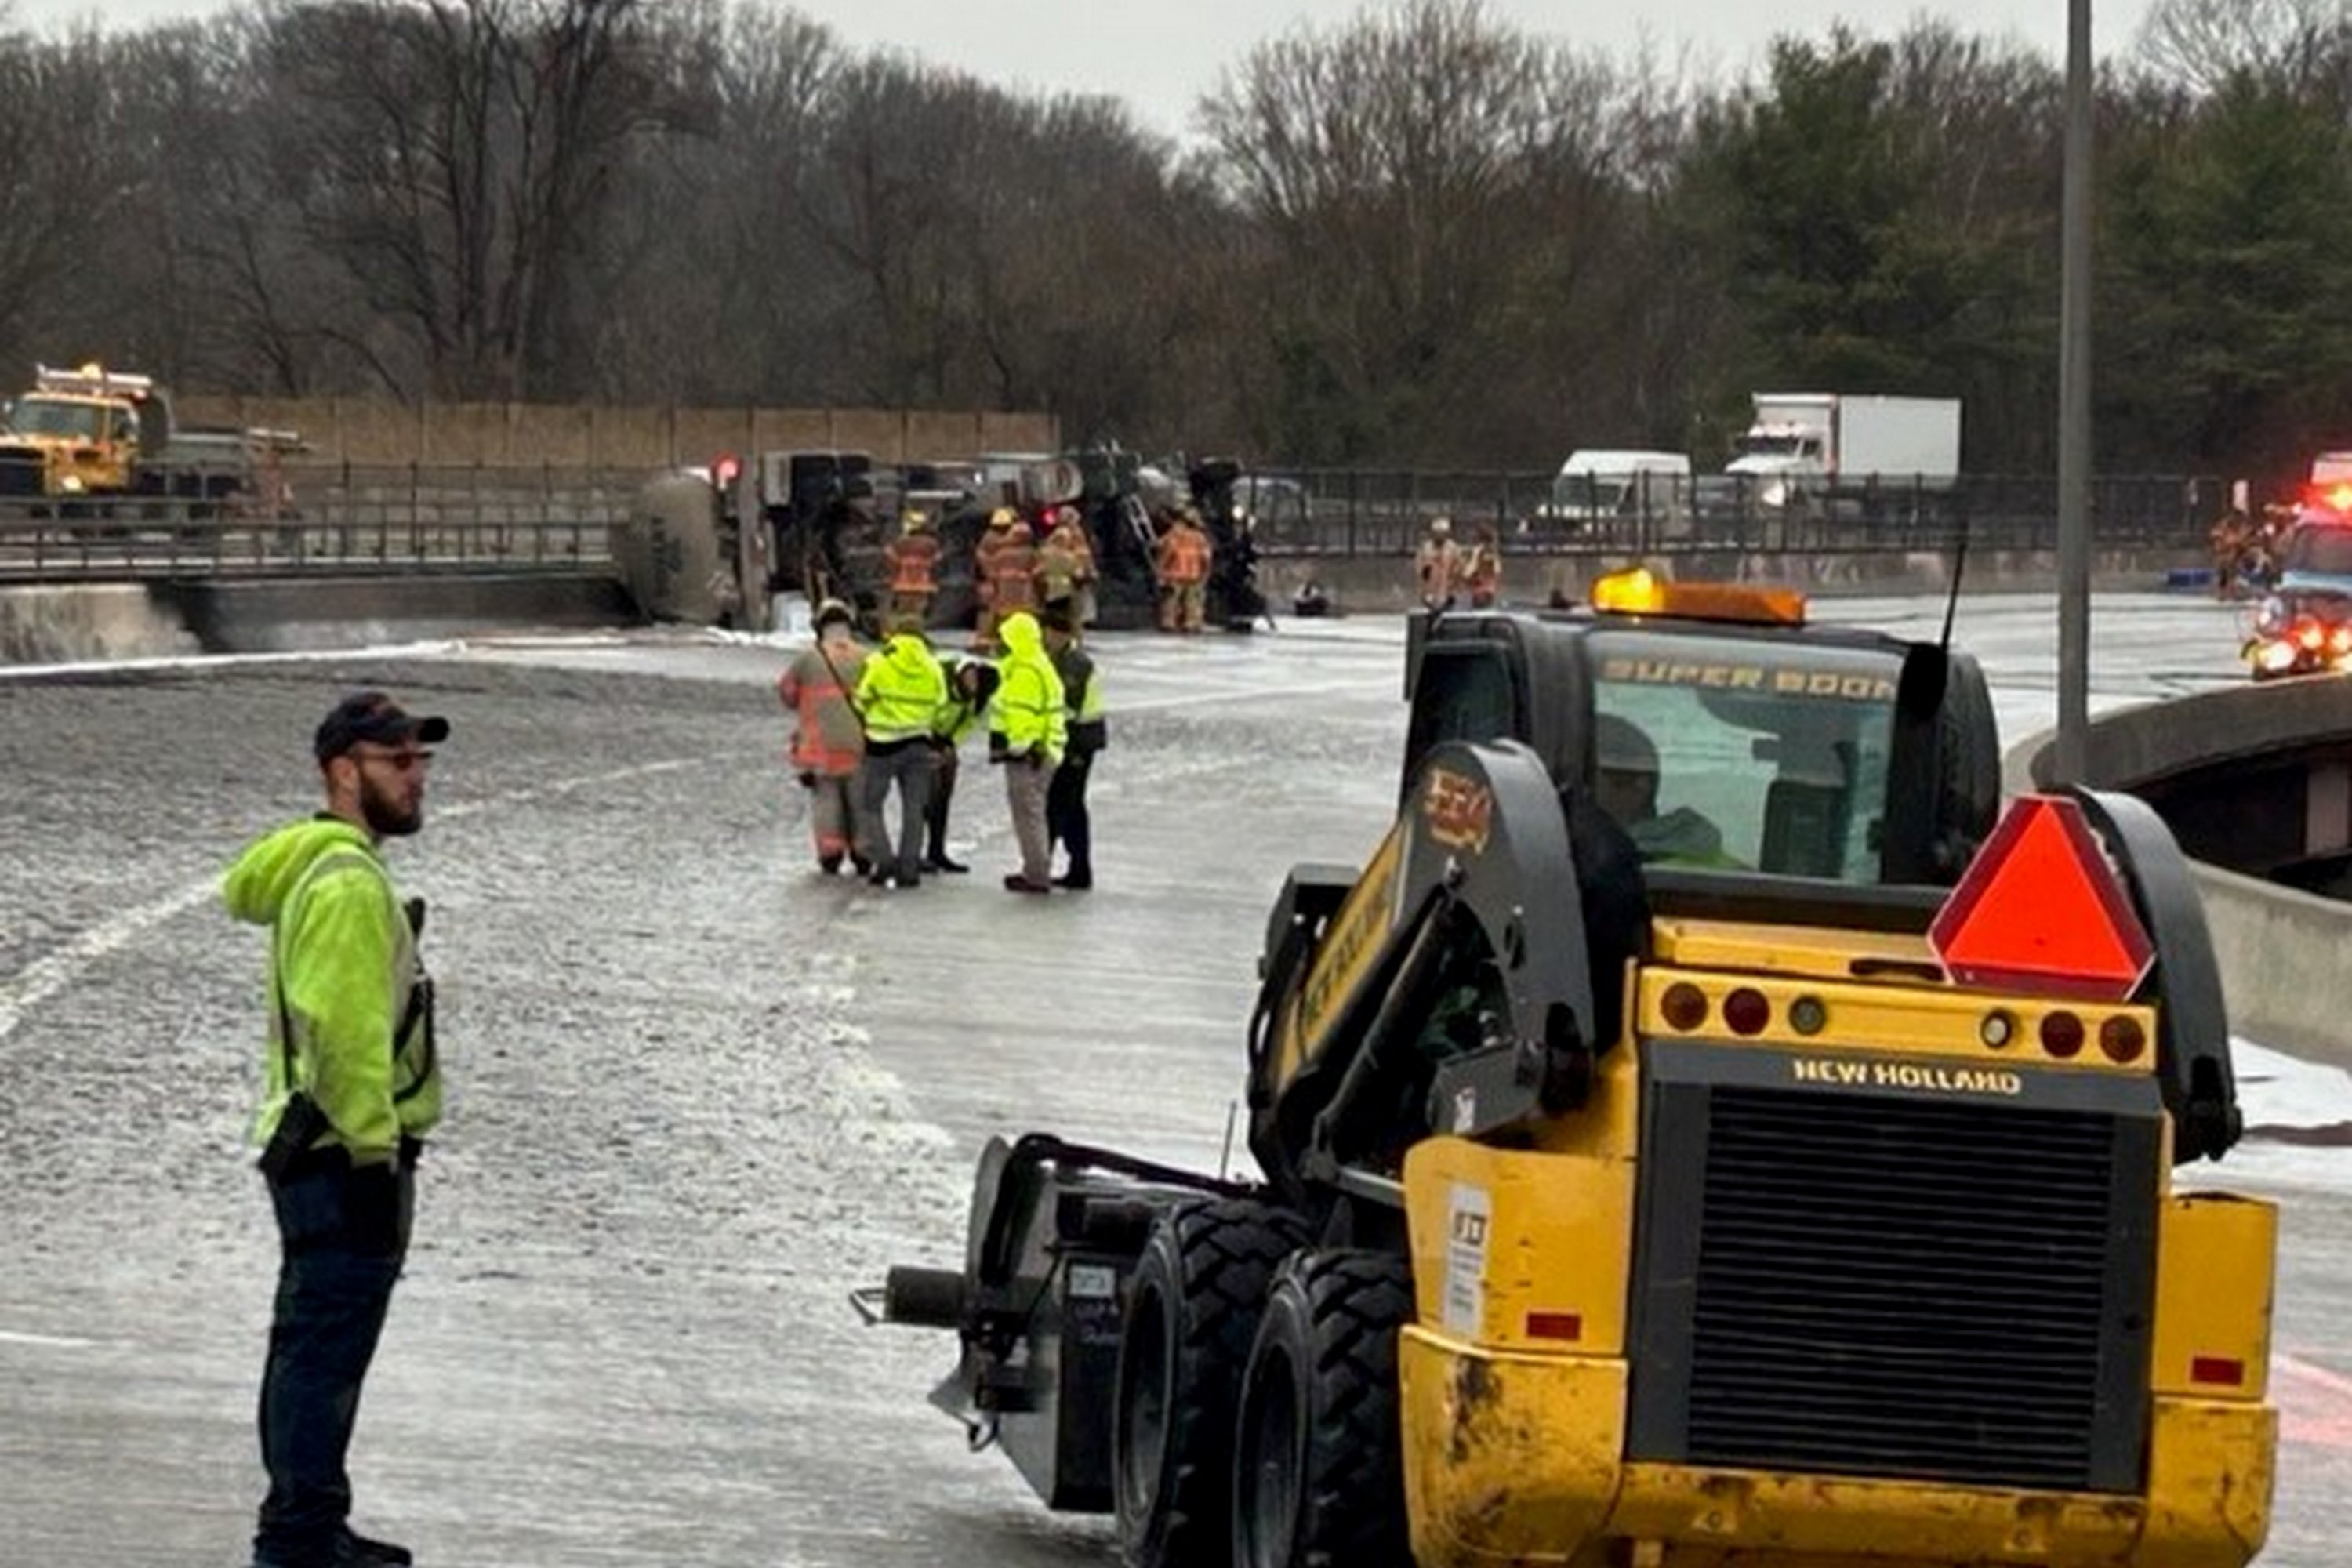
(1899, 1288)
(20, 471)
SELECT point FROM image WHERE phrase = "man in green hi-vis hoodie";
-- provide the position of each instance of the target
(353, 1089)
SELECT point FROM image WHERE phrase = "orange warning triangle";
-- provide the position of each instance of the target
(2040, 910)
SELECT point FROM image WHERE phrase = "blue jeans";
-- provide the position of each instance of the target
(343, 1235)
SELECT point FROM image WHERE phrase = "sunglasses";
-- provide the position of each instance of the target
(399, 761)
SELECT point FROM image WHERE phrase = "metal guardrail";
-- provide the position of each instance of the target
(348, 519)
(1364, 513)
(342, 518)
(177, 544)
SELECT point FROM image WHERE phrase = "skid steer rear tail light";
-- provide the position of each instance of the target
(1685, 1005)
(1997, 1029)
(1567, 1326)
(2123, 1039)
(2062, 1035)
(1809, 1015)
(1747, 1010)
(2225, 1371)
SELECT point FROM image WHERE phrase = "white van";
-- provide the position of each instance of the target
(1596, 484)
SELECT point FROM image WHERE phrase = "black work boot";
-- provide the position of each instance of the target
(359, 1551)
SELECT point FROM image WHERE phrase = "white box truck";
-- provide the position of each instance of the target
(1804, 445)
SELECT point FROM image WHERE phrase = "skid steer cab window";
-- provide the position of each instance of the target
(1720, 752)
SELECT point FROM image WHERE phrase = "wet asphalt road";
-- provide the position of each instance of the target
(698, 1093)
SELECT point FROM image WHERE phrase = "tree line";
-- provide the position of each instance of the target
(1424, 238)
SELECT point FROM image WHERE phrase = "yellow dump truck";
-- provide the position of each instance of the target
(1708, 1132)
(88, 434)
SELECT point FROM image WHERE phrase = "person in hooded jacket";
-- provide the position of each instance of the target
(351, 1089)
(1028, 734)
(899, 695)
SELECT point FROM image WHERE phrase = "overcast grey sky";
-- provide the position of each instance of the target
(1162, 55)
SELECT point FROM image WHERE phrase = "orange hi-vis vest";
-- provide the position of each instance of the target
(829, 739)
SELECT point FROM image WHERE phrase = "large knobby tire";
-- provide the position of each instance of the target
(1192, 1312)
(1318, 1478)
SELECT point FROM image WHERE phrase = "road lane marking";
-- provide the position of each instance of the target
(49, 1341)
(54, 972)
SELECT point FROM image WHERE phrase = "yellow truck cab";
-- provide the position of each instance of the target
(78, 432)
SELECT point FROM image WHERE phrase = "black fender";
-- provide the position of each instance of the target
(2194, 1069)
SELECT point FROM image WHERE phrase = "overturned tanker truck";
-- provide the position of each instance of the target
(1708, 1130)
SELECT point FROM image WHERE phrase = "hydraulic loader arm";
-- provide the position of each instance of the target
(1473, 901)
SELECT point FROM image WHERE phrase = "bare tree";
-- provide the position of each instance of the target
(1465, 173)
(2203, 44)
(55, 109)
(464, 148)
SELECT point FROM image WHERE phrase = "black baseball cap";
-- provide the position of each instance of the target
(370, 716)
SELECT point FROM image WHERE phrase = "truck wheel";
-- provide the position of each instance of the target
(1192, 1309)
(1318, 1475)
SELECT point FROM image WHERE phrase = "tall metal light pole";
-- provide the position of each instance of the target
(2074, 407)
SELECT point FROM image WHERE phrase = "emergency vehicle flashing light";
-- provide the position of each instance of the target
(2041, 910)
(2336, 495)
(1641, 593)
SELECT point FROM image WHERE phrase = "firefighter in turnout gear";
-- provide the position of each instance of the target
(1065, 564)
(913, 561)
(1013, 572)
(1181, 559)
(987, 558)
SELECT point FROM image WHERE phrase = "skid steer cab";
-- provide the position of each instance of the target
(1707, 1131)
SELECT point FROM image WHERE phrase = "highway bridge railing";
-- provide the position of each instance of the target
(328, 518)
(1373, 512)
(345, 518)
